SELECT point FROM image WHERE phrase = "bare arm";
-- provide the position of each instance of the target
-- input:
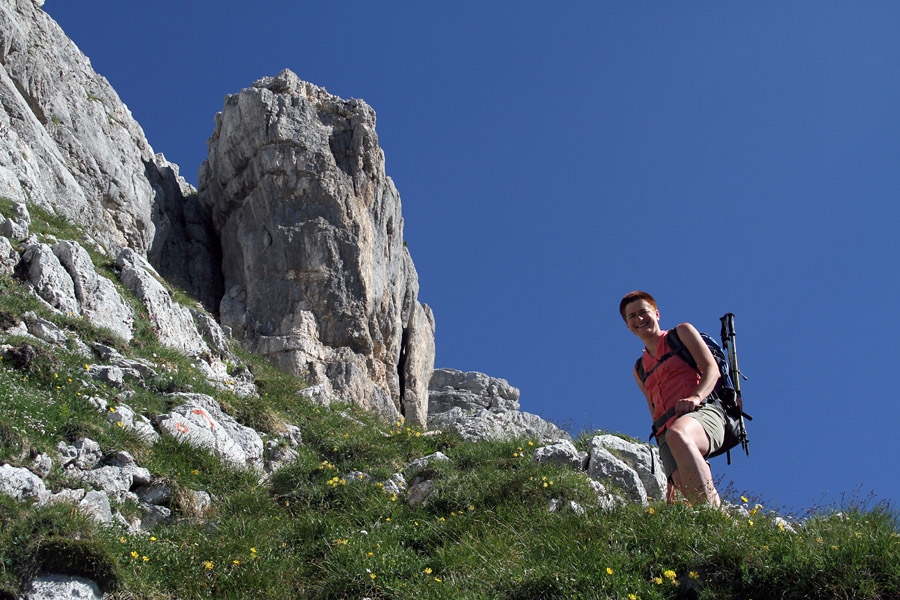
(640, 384)
(691, 339)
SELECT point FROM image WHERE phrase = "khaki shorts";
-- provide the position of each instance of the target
(711, 419)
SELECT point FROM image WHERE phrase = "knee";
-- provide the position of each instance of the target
(678, 438)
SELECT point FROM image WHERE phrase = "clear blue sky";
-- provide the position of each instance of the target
(723, 156)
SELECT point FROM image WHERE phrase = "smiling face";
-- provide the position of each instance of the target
(642, 319)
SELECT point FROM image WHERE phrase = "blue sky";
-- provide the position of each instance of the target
(723, 156)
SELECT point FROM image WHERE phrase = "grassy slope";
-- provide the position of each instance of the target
(308, 533)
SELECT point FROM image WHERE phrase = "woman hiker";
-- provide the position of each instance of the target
(695, 429)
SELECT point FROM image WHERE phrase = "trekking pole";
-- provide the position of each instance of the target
(728, 340)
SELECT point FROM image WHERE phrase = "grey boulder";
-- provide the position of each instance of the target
(200, 421)
(642, 458)
(62, 587)
(22, 484)
(562, 453)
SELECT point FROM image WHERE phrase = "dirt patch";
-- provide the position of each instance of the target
(32, 359)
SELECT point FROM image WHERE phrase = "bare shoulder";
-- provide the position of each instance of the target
(687, 328)
(690, 337)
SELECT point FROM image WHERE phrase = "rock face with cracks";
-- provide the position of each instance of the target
(70, 145)
(316, 274)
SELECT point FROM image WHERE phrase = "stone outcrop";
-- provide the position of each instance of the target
(643, 459)
(562, 453)
(200, 422)
(21, 484)
(480, 407)
(65, 278)
(69, 145)
(42, 270)
(173, 323)
(316, 274)
(632, 468)
(53, 586)
(98, 298)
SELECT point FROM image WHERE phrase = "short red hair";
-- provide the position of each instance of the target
(634, 297)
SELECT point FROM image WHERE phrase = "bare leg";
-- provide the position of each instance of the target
(689, 444)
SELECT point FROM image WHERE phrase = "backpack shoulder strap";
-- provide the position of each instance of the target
(677, 347)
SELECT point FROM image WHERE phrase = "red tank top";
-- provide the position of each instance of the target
(673, 380)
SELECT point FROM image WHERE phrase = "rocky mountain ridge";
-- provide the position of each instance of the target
(295, 239)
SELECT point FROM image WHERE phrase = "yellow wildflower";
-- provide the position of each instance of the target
(428, 570)
(122, 540)
(237, 562)
(632, 597)
(145, 559)
(134, 554)
(693, 575)
(650, 510)
(609, 571)
(657, 580)
(373, 575)
(209, 565)
(438, 579)
(669, 574)
(744, 499)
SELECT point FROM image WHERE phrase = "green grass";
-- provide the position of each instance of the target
(312, 531)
